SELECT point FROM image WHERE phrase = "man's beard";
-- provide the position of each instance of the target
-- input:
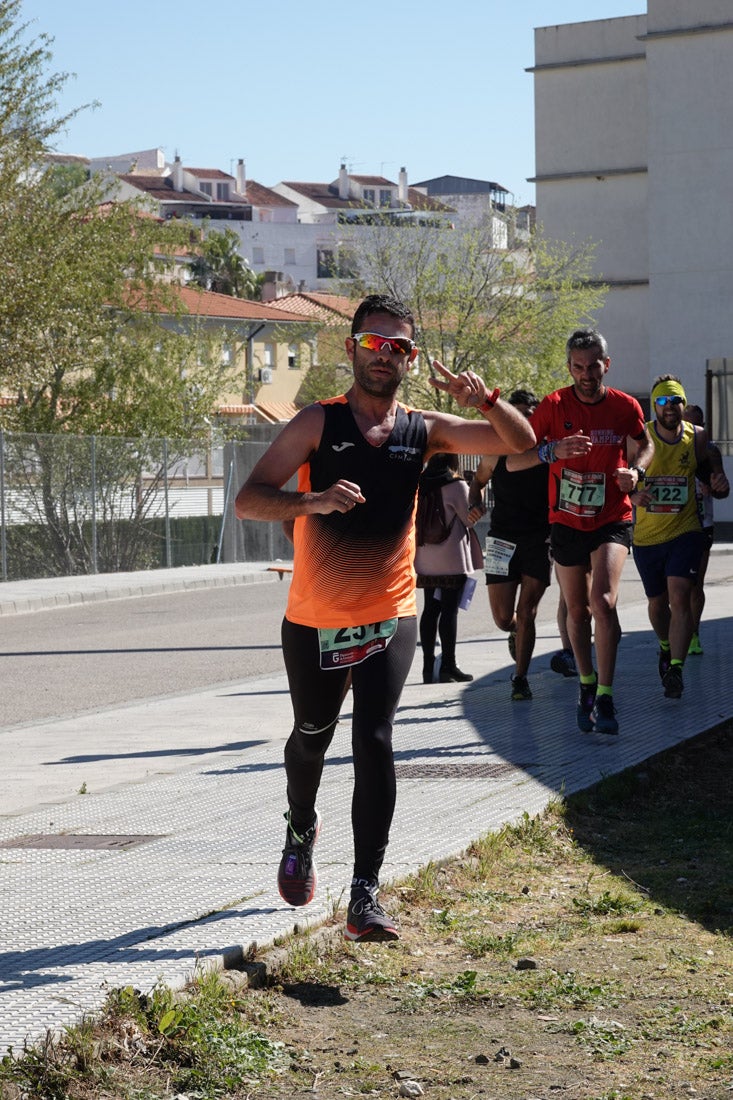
(376, 387)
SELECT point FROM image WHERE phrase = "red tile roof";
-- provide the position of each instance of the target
(418, 200)
(259, 195)
(209, 173)
(323, 193)
(246, 410)
(327, 195)
(329, 308)
(162, 189)
(373, 181)
(158, 187)
(204, 303)
(278, 410)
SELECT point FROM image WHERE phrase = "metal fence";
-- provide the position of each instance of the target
(101, 504)
(98, 504)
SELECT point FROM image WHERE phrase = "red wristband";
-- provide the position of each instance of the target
(489, 401)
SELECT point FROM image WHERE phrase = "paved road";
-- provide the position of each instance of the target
(71, 660)
(66, 661)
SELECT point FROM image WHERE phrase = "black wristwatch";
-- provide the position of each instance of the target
(640, 473)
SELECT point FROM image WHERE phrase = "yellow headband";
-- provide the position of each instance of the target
(669, 389)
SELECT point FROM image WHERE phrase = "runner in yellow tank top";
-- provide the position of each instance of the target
(668, 536)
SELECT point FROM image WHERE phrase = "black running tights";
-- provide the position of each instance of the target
(317, 696)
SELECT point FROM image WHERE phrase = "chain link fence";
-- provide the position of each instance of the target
(100, 504)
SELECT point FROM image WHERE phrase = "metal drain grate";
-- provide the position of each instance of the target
(78, 841)
(467, 769)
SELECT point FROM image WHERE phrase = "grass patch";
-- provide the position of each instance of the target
(148, 1046)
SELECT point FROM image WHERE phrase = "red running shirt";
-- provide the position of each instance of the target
(583, 492)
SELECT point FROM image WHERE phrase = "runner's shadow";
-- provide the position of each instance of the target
(234, 746)
(42, 966)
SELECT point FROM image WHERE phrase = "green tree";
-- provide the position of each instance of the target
(92, 342)
(325, 379)
(502, 313)
(64, 178)
(81, 299)
(87, 339)
(220, 267)
(29, 121)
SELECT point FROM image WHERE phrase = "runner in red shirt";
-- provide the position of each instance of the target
(597, 447)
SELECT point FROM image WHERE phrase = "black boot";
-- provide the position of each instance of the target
(454, 675)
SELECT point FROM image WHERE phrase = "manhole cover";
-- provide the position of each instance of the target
(80, 841)
(466, 769)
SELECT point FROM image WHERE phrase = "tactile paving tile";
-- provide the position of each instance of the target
(77, 923)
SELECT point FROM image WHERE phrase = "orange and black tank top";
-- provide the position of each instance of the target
(356, 568)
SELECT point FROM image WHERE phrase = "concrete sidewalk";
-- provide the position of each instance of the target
(19, 597)
(168, 862)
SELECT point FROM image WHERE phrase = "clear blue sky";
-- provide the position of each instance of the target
(295, 88)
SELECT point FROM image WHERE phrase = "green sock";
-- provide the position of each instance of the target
(588, 679)
(664, 646)
(604, 689)
(674, 662)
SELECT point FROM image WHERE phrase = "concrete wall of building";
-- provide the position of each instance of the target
(590, 113)
(609, 212)
(309, 211)
(670, 15)
(690, 169)
(285, 380)
(623, 321)
(591, 155)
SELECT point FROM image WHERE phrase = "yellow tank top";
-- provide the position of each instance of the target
(670, 478)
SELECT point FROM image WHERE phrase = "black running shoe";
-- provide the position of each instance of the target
(366, 921)
(603, 716)
(563, 662)
(520, 688)
(672, 682)
(297, 877)
(586, 700)
(665, 660)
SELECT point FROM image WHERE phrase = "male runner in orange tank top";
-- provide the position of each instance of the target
(351, 614)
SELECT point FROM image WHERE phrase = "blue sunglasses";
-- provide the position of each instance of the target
(675, 400)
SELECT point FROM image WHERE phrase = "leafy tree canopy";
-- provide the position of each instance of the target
(81, 341)
(505, 314)
(220, 267)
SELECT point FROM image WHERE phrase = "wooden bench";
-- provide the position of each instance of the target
(281, 570)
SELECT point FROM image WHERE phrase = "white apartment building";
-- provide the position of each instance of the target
(301, 234)
(634, 150)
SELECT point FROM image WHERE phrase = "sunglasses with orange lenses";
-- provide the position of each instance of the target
(374, 341)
